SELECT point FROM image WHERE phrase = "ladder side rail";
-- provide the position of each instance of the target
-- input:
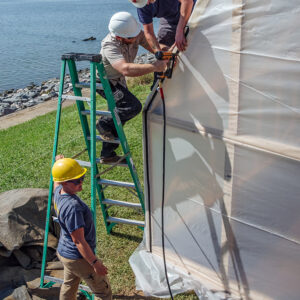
(58, 117)
(86, 133)
(120, 131)
(93, 138)
(79, 104)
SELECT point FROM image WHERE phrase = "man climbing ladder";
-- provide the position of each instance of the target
(119, 49)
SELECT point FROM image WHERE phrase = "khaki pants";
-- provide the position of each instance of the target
(74, 271)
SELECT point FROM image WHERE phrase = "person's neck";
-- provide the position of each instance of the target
(66, 191)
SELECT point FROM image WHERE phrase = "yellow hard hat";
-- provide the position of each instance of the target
(67, 169)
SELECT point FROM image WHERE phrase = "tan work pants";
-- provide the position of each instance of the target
(74, 271)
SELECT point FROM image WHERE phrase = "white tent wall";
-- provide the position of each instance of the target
(232, 169)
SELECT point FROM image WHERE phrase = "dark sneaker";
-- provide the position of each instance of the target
(105, 135)
(113, 159)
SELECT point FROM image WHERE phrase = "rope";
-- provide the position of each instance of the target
(163, 189)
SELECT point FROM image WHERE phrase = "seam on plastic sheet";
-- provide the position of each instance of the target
(295, 110)
(257, 54)
(211, 132)
(249, 224)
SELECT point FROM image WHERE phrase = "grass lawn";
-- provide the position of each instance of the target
(26, 154)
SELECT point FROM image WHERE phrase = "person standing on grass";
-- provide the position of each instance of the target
(119, 49)
(77, 242)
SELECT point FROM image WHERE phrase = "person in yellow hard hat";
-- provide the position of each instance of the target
(77, 242)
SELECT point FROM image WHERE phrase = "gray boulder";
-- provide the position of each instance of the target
(22, 218)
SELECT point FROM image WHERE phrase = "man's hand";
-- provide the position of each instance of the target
(99, 268)
(180, 40)
(59, 156)
(160, 65)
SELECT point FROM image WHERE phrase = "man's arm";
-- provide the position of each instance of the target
(185, 12)
(135, 70)
(151, 38)
(86, 251)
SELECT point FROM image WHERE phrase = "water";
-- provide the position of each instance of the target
(35, 33)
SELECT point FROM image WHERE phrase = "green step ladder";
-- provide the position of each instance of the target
(98, 184)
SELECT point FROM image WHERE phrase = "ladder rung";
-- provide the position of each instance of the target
(125, 221)
(98, 113)
(128, 185)
(121, 203)
(61, 281)
(98, 138)
(87, 164)
(87, 85)
(75, 98)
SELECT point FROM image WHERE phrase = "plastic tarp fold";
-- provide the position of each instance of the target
(232, 168)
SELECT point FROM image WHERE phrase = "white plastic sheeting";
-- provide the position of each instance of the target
(232, 190)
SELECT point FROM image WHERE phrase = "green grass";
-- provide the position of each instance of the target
(26, 155)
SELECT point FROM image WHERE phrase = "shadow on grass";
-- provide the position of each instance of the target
(127, 236)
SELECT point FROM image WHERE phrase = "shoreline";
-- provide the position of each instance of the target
(13, 101)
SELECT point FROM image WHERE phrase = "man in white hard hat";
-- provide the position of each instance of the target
(119, 49)
(173, 15)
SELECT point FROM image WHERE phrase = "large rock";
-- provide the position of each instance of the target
(19, 293)
(22, 219)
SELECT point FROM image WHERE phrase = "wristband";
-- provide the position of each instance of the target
(94, 261)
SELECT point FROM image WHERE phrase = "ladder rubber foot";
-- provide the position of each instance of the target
(61, 281)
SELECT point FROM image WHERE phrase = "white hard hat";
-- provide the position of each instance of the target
(139, 3)
(124, 25)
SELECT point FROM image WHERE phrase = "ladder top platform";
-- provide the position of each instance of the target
(82, 57)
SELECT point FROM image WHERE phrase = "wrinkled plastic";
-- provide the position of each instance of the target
(232, 189)
(150, 277)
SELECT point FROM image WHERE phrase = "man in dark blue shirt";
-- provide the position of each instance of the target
(77, 242)
(173, 15)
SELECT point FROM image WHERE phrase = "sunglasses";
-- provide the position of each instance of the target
(130, 38)
(77, 181)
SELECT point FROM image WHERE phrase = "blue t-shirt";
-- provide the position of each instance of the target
(72, 214)
(167, 10)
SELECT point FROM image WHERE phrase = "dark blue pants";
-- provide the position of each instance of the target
(127, 107)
